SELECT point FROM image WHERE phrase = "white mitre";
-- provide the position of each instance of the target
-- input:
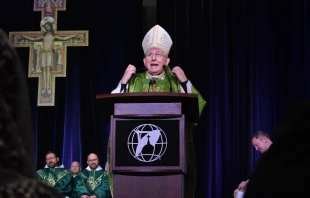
(157, 37)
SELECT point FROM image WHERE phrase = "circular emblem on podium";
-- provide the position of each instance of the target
(147, 143)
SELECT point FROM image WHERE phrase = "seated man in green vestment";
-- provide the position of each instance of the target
(159, 78)
(75, 169)
(59, 178)
(92, 182)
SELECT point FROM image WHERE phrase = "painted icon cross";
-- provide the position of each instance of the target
(48, 48)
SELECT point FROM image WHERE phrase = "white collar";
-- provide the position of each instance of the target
(61, 166)
(155, 76)
(98, 168)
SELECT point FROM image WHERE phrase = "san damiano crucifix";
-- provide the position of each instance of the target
(48, 48)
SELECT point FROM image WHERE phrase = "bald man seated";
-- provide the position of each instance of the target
(92, 182)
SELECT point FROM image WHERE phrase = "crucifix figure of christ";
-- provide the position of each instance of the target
(48, 48)
(46, 52)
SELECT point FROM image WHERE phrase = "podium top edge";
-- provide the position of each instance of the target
(147, 94)
(105, 102)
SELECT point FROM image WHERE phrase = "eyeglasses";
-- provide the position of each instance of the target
(50, 158)
(92, 160)
(157, 55)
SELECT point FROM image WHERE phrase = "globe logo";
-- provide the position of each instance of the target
(147, 143)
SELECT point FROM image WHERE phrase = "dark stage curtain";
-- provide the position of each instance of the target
(71, 127)
(248, 58)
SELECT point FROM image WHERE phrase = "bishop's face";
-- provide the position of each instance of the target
(155, 60)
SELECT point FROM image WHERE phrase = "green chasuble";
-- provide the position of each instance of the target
(140, 83)
(92, 182)
(169, 83)
(59, 178)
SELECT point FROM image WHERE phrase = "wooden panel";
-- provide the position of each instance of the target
(105, 103)
(147, 108)
(150, 186)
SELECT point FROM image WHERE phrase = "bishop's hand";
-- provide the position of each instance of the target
(179, 73)
(131, 69)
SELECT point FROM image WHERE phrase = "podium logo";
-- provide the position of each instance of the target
(147, 143)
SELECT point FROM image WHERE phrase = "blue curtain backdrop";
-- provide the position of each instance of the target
(248, 58)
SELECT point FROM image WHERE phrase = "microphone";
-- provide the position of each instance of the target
(152, 82)
(141, 70)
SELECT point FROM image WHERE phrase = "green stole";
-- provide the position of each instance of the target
(140, 83)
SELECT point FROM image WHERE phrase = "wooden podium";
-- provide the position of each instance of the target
(148, 141)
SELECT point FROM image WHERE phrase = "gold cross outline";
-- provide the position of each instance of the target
(78, 38)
